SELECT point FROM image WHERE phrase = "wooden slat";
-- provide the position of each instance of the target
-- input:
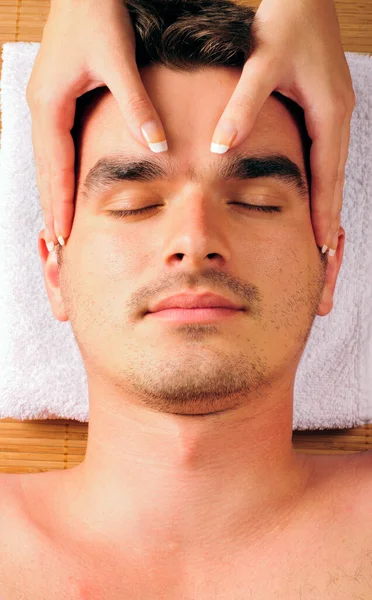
(32, 446)
(36, 445)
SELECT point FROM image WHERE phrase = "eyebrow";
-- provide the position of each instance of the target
(109, 170)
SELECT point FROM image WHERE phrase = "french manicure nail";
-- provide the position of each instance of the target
(328, 239)
(154, 136)
(223, 137)
(334, 245)
(50, 244)
(59, 237)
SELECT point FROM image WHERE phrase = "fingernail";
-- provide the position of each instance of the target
(59, 237)
(334, 244)
(50, 244)
(154, 136)
(223, 137)
(328, 240)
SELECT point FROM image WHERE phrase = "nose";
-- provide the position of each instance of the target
(196, 234)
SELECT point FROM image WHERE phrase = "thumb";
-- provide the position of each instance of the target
(257, 81)
(139, 113)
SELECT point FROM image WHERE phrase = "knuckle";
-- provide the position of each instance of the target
(347, 103)
(45, 203)
(245, 101)
(42, 168)
(137, 103)
(271, 62)
(59, 175)
(327, 181)
(45, 197)
(352, 98)
(335, 108)
(40, 99)
(341, 108)
(47, 215)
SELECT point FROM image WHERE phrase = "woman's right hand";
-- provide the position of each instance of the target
(299, 54)
(85, 45)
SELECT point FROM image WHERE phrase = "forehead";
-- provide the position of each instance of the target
(189, 106)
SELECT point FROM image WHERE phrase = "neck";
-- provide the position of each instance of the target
(161, 477)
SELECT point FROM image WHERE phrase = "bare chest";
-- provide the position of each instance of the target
(325, 554)
(312, 565)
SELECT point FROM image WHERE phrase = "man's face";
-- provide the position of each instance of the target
(197, 236)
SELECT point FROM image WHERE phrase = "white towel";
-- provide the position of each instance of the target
(42, 372)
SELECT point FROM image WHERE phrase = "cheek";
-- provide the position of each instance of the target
(126, 257)
(280, 260)
(109, 267)
(266, 248)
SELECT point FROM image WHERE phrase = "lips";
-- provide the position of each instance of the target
(206, 300)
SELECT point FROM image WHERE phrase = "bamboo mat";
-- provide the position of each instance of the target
(32, 446)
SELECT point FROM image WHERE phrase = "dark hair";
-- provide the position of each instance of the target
(186, 35)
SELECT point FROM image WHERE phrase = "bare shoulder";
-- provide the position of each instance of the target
(353, 491)
(17, 495)
(360, 471)
(10, 494)
(12, 516)
(10, 519)
(21, 544)
(343, 483)
(363, 479)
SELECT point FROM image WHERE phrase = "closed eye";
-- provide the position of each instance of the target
(126, 213)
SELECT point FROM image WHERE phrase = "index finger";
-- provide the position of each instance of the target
(257, 81)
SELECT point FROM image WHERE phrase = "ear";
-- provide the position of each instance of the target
(333, 267)
(52, 278)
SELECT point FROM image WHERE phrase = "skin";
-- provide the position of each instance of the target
(190, 430)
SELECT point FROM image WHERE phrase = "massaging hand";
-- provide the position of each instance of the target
(85, 45)
(299, 54)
